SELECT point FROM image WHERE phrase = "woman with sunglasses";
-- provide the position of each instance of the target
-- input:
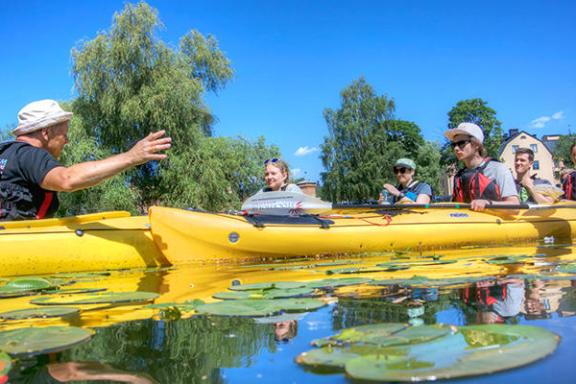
(408, 190)
(483, 181)
(276, 176)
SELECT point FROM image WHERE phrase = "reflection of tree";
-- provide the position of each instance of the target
(352, 312)
(185, 351)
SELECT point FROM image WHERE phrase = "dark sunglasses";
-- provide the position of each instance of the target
(460, 144)
(273, 160)
(401, 170)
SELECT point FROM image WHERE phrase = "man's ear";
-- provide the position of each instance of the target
(45, 132)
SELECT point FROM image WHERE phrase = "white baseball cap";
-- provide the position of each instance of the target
(468, 129)
(40, 114)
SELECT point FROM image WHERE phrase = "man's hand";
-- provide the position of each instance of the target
(392, 189)
(479, 205)
(527, 181)
(147, 149)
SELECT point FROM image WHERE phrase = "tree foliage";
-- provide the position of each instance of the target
(562, 149)
(130, 83)
(478, 112)
(364, 142)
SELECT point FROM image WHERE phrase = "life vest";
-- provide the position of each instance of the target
(410, 191)
(22, 201)
(473, 184)
(569, 186)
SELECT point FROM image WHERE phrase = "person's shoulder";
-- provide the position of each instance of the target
(423, 187)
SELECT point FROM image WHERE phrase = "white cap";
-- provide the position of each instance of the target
(40, 114)
(468, 129)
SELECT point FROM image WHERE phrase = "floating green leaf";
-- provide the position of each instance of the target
(5, 364)
(567, 268)
(257, 308)
(427, 354)
(385, 335)
(37, 341)
(239, 295)
(268, 285)
(25, 286)
(499, 260)
(287, 293)
(72, 291)
(334, 283)
(33, 313)
(98, 298)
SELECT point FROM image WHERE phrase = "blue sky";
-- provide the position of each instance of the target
(292, 58)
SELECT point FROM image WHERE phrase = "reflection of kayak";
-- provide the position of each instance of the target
(108, 240)
(188, 236)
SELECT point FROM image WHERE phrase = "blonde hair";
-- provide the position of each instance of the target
(281, 165)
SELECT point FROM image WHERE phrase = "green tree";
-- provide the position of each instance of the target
(478, 112)
(562, 149)
(131, 83)
(364, 142)
(351, 153)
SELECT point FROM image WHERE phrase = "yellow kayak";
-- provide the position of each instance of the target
(189, 236)
(108, 240)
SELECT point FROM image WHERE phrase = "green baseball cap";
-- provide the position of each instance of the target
(405, 163)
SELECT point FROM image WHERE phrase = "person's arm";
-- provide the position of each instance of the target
(482, 204)
(90, 173)
(423, 199)
(538, 197)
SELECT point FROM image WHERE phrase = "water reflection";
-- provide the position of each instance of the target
(75, 371)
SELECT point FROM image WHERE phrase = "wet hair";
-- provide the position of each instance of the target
(281, 165)
(481, 149)
(528, 151)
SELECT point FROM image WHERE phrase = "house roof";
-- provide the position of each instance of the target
(548, 144)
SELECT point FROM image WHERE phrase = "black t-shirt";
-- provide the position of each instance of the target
(22, 170)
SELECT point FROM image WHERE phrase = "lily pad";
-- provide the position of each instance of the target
(501, 260)
(414, 280)
(333, 359)
(30, 283)
(567, 268)
(97, 298)
(335, 263)
(385, 335)
(334, 283)
(258, 308)
(349, 271)
(287, 293)
(428, 355)
(37, 341)
(268, 285)
(38, 313)
(25, 286)
(73, 291)
(5, 364)
(417, 263)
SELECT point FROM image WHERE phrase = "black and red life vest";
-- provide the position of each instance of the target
(473, 184)
(569, 186)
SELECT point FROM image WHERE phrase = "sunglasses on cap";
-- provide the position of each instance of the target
(460, 144)
(273, 160)
(401, 170)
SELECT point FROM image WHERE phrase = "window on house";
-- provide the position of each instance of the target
(534, 148)
(536, 165)
(515, 148)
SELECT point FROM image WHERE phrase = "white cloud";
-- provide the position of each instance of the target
(295, 172)
(541, 121)
(303, 151)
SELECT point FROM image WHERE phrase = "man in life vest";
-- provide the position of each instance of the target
(530, 187)
(483, 182)
(30, 174)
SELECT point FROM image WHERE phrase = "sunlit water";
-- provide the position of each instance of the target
(148, 344)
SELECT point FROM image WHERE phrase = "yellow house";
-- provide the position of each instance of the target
(544, 165)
